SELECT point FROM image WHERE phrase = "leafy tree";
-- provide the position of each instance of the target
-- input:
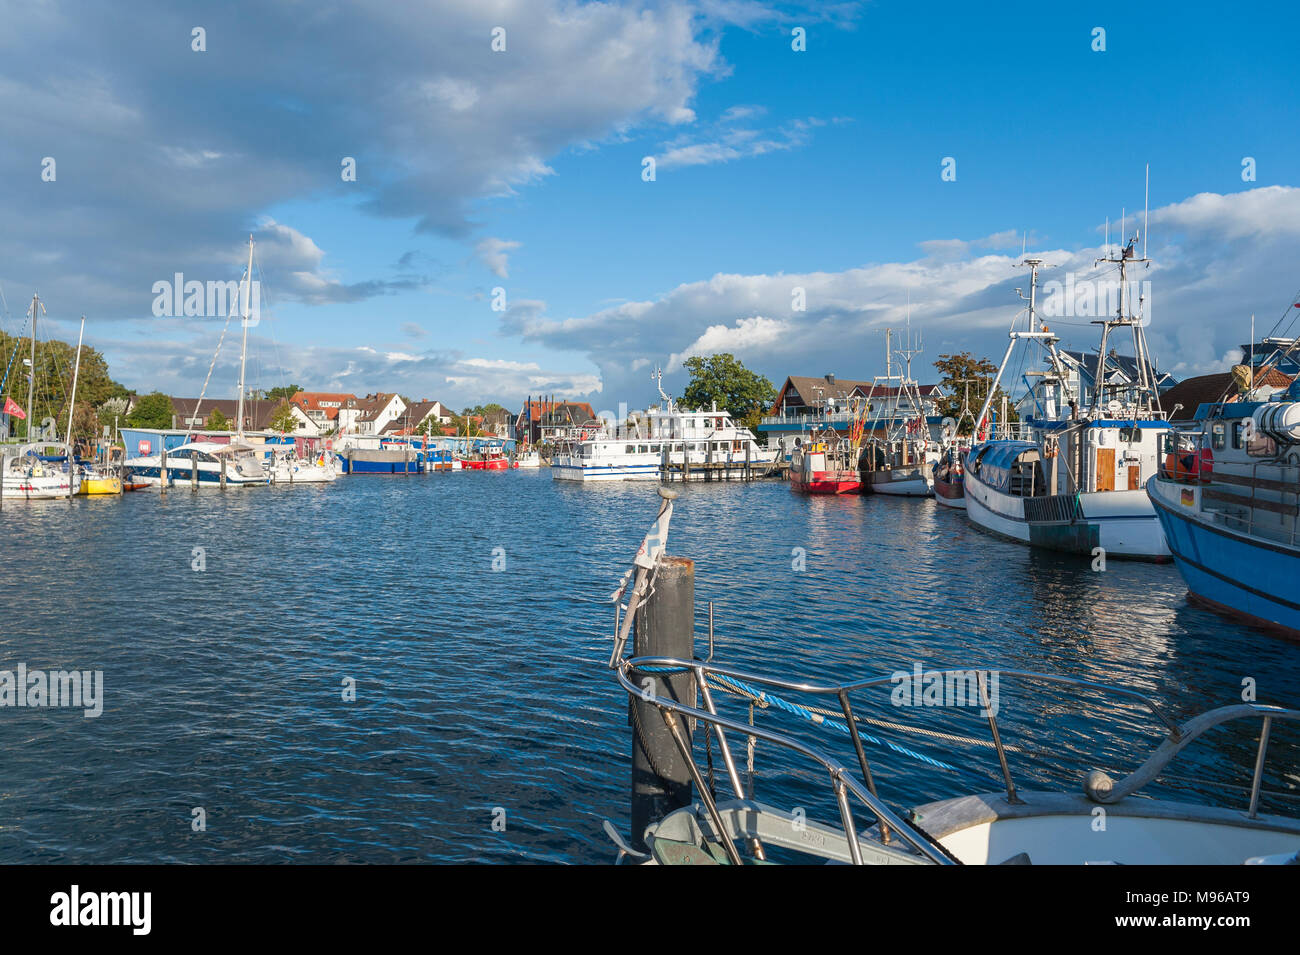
(963, 371)
(283, 419)
(153, 410)
(218, 421)
(722, 378)
(52, 380)
(285, 391)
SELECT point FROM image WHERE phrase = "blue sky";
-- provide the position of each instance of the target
(522, 170)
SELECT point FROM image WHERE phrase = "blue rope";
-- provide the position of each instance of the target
(797, 710)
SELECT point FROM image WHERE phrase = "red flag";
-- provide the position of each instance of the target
(13, 409)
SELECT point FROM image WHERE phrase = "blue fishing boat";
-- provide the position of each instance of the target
(1227, 497)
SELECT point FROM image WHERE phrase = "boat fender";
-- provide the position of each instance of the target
(1205, 465)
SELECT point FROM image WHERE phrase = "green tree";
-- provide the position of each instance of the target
(283, 420)
(966, 378)
(285, 391)
(721, 378)
(153, 410)
(217, 421)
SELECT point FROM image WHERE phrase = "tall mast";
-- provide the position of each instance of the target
(76, 372)
(1032, 332)
(31, 377)
(243, 354)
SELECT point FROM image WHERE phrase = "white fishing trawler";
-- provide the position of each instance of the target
(1071, 476)
(666, 439)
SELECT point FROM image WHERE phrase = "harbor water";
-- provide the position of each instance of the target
(469, 614)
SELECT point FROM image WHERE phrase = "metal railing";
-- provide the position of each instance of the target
(1099, 786)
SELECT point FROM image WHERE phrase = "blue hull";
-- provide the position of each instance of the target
(1236, 574)
(414, 466)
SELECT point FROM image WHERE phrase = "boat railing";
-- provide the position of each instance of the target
(764, 690)
(1243, 509)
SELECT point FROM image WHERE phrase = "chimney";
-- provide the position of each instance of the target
(830, 379)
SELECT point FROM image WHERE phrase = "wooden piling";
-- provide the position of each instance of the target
(162, 467)
(194, 470)
(665, 626)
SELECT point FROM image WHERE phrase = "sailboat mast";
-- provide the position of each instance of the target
(31, 377)
(76, 372)
(243, 353)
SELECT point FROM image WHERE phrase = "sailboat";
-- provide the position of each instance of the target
(42, 469)
(1072, 478)
(209, 463)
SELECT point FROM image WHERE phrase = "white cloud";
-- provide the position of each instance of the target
(1218, 259)
(493, 253)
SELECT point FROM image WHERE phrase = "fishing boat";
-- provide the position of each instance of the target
(898, 458)
(700, 803)
(1226, 495)
(527, 458)
(491, 458)
(665, 440)
(948, 478)
(40, 470)
(1071, 477)
(824, 465)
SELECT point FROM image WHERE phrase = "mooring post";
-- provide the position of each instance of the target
(194, 470)
(162, 468)
(665, 627)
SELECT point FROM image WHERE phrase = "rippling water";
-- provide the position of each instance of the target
(479, 690)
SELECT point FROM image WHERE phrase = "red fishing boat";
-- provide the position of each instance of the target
(949, 478)
(491, 459)
(816, 468)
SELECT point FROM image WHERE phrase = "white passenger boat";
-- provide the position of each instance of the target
(527, 458)
(1072, 478)
(204, 461)
(665, 440)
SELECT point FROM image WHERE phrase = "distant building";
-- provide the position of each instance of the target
(1272, 351)
(376, 411)
(414, 416)
(545, 421)
(827, 402)
(331, 411)
(1191, 393)
(191, 413)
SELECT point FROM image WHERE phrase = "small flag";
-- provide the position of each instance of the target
(13, 409)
